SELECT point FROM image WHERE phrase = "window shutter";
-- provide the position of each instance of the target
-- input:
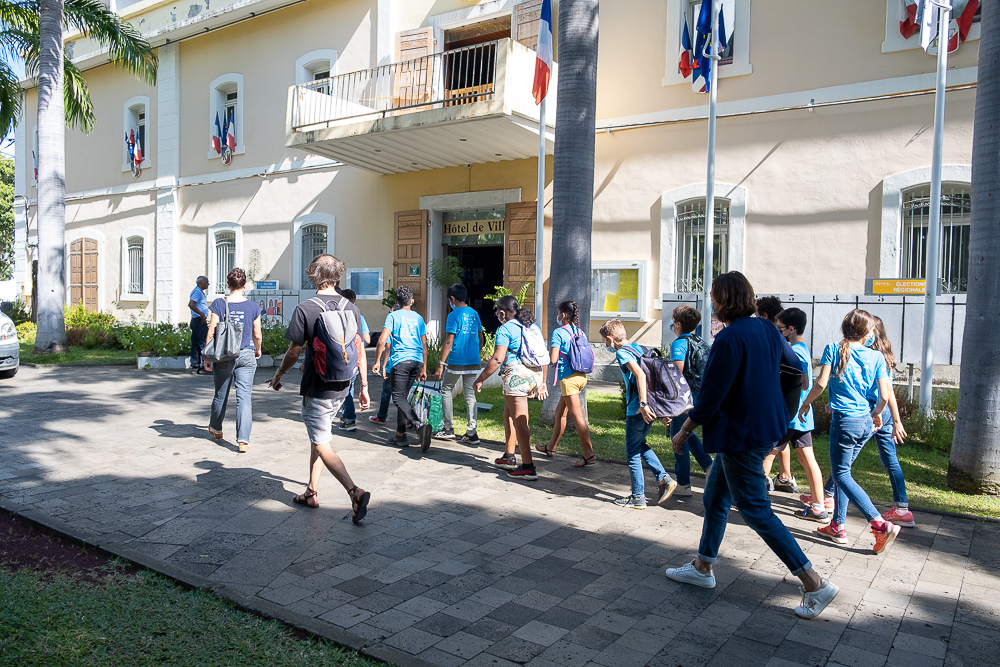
(527, 17)
(75, 272)
(410, 258)
(411, 44)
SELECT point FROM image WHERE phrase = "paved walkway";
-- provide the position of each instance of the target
(456, 564)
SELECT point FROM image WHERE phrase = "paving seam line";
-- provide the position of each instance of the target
(254, 605)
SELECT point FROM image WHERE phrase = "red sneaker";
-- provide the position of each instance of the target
(524, 472)
(807, 499)
(833, 532)
(375, 420)
(900, 516)
(507, 462)
(885, 537)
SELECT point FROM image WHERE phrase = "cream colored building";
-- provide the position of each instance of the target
(394, 132)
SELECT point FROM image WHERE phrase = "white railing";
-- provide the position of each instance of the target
(451, 78)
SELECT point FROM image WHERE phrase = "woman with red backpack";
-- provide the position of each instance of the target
(573, 358)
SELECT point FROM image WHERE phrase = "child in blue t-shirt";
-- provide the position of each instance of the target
(461, 355)
(406, 332)
(851, 369)
(348, 419)
(685, 320)
(638, 419)
(571, 385)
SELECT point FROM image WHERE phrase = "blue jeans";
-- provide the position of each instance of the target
(638, 452)
(384, 400)
(847, 436)
(241, 370)
(199, 332)
(682, 462)
(349, 412)
(887, 455)
(738, 478)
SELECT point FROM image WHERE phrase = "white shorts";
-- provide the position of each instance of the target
(318, 415)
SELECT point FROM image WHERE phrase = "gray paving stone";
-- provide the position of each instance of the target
(442, 624)
(412, 640)
(802, 654)
(463, 645)
(850, 656)
(515, 649)
(346, 616)
(540, 633)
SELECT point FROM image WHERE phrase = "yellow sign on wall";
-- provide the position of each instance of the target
(896, 286)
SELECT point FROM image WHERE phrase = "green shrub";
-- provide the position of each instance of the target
(79, 317)
(164, 340)
(934, 431)
(20, 313)
(434, 346)
(26, 332)
(273, 339)
(489, 347)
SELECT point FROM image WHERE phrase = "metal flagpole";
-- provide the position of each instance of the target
(713, 76)
(540, 213)
(934, 233)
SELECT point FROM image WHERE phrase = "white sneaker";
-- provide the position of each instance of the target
(683, 491)
(688, 574)
(814, 603)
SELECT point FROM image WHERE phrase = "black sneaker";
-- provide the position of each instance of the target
(424, 437)
(524, 472)
(635, 502)
(399, 441)
(507, 462)
(786, 485)
(348, 425)
(470, 438)
(809, 514)
(445, 434)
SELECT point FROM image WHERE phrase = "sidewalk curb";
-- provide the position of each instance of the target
(254, 605)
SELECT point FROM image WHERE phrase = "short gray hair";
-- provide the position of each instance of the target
(325, 270)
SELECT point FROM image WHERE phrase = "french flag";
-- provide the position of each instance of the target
(963, 17)
(217, 137)
(543, 63)
(137, 151)
(231, 133)
(908, 21)
(921, 15)
(684, 63)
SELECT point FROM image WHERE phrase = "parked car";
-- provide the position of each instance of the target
(10, 350)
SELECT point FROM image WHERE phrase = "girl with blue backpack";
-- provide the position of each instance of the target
(573, 358)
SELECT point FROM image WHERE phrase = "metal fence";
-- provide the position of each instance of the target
(458, 76)
(903, 317)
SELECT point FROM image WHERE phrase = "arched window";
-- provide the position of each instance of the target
(136, 274)
(313, 243)
(134, 121)
(318, 65)
(225, 258)
(226, 101)
(956, 218)
(135, 277)
(691, 243)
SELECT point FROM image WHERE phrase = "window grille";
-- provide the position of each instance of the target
(225, 259)
(956, 217)
(691, 244)
(135, 265)
(313, 243)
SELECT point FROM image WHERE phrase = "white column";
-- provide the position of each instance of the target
(169, 293)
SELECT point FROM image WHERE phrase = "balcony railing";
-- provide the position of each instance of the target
(451, 78)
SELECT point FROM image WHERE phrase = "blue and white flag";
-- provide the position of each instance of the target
(702, 67)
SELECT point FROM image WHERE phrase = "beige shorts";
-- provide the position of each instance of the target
(573, 384)
(519, 380)
(318, 415)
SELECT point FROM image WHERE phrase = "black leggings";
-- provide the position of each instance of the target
(403, 375)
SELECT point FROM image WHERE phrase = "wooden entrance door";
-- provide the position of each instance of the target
(83, 273)
(519, 249)
(411, 255)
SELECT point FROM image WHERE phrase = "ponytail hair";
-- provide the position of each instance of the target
(511, 306)
(882, 343)
(573, 310)
(856, 325)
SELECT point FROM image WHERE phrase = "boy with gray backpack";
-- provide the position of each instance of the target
(690, 354)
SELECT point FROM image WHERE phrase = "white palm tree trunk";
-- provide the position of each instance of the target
(51, 189)
(975, 452)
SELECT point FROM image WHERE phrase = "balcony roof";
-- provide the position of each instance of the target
(496, 123)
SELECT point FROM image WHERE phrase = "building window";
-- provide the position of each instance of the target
(691, 244)
(313, 243)
(618, 289)
(691, 16)
(226, 103)
(735, 59)
(135, 274)
(225, 259)
(314, 66)
(956, 218)
(134, 122)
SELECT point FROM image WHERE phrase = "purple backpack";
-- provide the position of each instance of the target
(581, 354)
(667, 392)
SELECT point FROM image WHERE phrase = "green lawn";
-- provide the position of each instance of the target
(142, 619)
(77, 355)
(925, 469)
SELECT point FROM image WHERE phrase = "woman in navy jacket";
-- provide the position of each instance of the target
(742, 412)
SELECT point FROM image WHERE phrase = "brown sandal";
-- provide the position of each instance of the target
(308, 499)
(359, 504)
(545, 450)
(585, 461)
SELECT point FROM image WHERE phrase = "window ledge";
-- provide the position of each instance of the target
(145, 165)
(725, 72)
(624, 317)
(135, 297)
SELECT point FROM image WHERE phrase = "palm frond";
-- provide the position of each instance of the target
(76, 95)
(11, 99)
(126, 46)
(16, 14)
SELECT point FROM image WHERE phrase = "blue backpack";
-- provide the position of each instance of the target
(581, 354)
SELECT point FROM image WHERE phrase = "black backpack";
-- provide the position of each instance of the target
(695, 361)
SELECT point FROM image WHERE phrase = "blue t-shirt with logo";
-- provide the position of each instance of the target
(465, 324)
(801, 350)
(623, 356)
(406, 328)
(849, 392)
(241, 312)
(563, 339)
